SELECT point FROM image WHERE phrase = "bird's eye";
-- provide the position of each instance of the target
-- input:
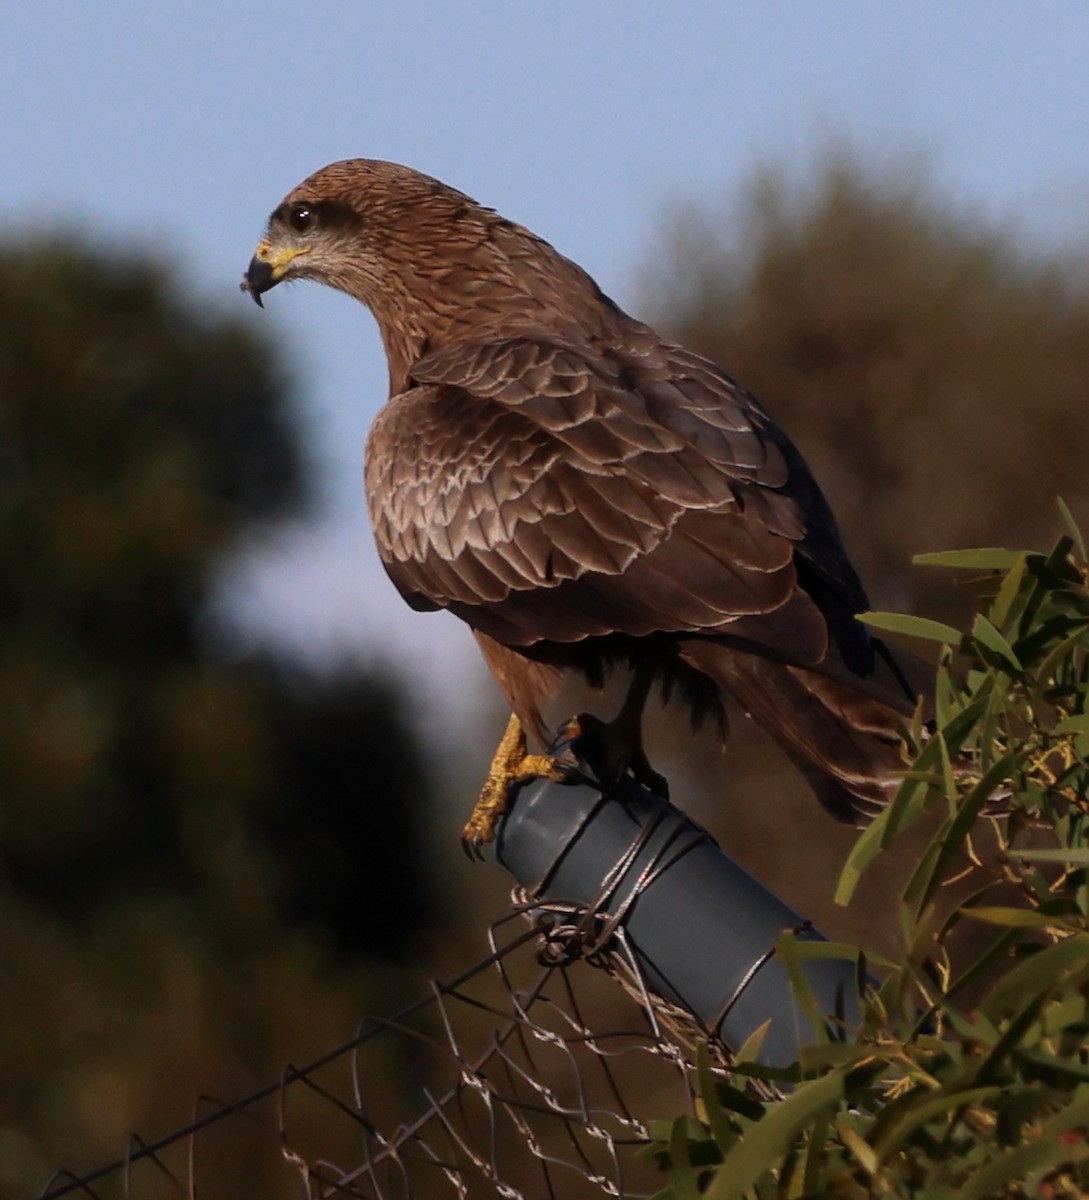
(301, 218)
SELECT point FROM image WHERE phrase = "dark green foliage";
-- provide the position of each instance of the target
(970, 1077)
(199, 860)
(140, 442)
(137, 442)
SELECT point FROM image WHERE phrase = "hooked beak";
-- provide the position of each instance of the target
(258, 278)
(267, 268)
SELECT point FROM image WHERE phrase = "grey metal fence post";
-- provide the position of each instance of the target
(703, 931)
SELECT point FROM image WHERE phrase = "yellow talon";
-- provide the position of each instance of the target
(510, 765)
(618, 742)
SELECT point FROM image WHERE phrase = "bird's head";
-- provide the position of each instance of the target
(367, 228)
(433, 266)
(291, 237)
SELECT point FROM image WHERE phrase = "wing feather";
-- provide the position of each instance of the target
(547, 492)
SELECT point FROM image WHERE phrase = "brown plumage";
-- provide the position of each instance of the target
(582, 492)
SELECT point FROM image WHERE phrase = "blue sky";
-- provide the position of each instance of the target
(181, 127)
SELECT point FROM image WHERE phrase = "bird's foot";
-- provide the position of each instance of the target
(510, 766)
(609, 749)
(615, 748)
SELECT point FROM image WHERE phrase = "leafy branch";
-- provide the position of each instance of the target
(969, 1077)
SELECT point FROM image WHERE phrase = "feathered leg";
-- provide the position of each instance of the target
(620, 741)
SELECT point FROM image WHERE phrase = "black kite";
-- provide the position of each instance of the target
(584, 493)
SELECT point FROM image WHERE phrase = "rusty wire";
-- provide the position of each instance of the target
(529, 1075)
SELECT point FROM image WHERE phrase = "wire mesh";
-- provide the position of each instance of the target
(530, 1075)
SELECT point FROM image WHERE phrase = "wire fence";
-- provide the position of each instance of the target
(530, 1075)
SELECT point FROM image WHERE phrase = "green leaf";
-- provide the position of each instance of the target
(682, 1175)
(763, 1146)
(986, 634)
(721, 1130)
(1054, 1068)
(819, 948)
(1021, 1107)
(931, 767)
(1070, 646)
(868, 846)
(976, 1032)
(1071, 527)
(659, 1130)
(920, 627)
(1057, 564)
(815, 1154)
(1020, 918)
(749, 1050)
(987, 558)
(1007, 592)
(786, 951)
(858, 1147)
(1075, 724)
(992, 1179)
(743, 1105)
(1071, 1117)
(919, 1113)
(917, 887)
(1071, 855)
(815, 1059)
(1021, 985)
(928, 877)
(1060, 631)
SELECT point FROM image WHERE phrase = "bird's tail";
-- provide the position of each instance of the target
(842, 732)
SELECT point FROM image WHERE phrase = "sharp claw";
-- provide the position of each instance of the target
(478, 832)
(472, 844)
(586, 749)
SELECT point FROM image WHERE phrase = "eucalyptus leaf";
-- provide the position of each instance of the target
(770, 1138)
(987, 558)
(919, 627)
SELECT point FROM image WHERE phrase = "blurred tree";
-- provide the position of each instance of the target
(139, 441)
(162, 812)
(932, 368)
